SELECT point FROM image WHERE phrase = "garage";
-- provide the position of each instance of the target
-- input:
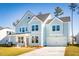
(56, 41)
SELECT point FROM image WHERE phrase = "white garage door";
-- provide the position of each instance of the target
(56, 41)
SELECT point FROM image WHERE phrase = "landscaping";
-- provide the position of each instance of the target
(72, 51)
(14, 51)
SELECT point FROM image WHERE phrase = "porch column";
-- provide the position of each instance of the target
(17, 41)
(9, 39)
(25, 41)
(42, 37)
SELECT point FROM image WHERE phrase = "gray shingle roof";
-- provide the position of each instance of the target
(43, 17)
(1, 28)
(65, 19)
(49, 21)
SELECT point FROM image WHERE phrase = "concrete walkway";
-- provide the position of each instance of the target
(46, 51)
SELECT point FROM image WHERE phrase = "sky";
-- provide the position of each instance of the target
(10, 12)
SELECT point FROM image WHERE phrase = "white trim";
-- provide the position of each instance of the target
(55, 18)
(42, 31)
(33, 19)
(24, 16)
(20, 35)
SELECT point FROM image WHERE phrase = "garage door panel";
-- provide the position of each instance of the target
(54, 41)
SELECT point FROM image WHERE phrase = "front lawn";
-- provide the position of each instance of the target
(72, 51)
(14, 51)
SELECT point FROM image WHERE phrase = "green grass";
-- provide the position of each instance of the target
(72, 51)
(14, 51)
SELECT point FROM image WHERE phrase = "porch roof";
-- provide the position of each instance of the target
(20, 34)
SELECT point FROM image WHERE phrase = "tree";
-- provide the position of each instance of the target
(72, 7)
(58, 11)
(15, 23)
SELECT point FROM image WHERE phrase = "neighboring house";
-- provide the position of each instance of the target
(77, 38)
(72, 38)
(4, 32)
(42, 30)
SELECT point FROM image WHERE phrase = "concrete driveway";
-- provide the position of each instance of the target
(46, 51)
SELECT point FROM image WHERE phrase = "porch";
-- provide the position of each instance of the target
(21, 40)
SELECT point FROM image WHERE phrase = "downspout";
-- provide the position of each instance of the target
(42, 32)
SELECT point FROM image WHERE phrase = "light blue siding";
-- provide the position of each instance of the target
(56, 38)
(66, 30)
(35, 33)
(49, 28)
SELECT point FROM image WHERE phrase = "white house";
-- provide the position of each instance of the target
(77, 38)
(42, 30)
(4, 32)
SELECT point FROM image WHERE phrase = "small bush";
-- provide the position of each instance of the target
(7, 45)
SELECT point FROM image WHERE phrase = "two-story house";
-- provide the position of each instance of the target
(42, 30)
(4, 32)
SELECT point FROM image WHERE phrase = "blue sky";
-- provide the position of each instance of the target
(9, 13)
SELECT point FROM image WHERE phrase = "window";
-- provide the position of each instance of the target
(20, 40)
(28, 17)
(34, 27)
(8, 33)
(55, 28)
(26, 28)
(34, 39)
(20, 29)
(58, 27)
(23, 30)
(6, 40)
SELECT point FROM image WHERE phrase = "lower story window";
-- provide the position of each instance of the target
(20, 40)
(34, 39)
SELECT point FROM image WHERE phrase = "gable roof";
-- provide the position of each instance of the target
(23, 17)
(49, 21)
(1, 28)
(43, 17)
(63, 19)
(33, 18)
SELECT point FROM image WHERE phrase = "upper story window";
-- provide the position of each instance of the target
(55, 28)
(58, 28)
(26, 28)
(28, 17)
(20, 29)
(34, 27)
(23, 30)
